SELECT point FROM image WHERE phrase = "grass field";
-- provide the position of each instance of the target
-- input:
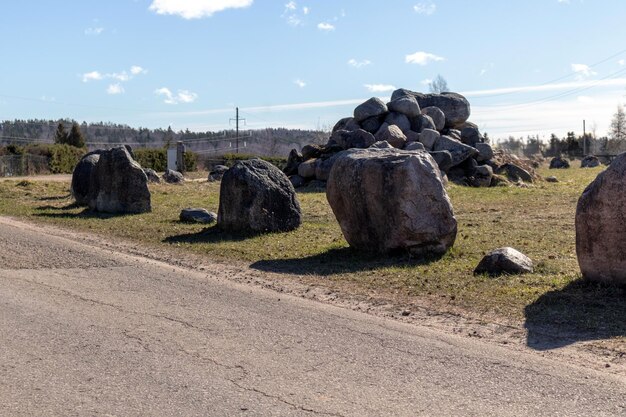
(538, 221)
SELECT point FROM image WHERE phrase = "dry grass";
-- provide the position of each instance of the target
(539, 221)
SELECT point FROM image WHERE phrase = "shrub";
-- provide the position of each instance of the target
(231, 158)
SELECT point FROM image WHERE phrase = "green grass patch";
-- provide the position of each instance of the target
(538, 221)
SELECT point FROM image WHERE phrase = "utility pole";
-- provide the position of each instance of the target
(237, 120)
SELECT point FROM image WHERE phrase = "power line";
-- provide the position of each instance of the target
(237, 120)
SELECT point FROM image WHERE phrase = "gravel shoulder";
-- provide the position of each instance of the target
(606, 356)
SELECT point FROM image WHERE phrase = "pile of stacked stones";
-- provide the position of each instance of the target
(411, 121)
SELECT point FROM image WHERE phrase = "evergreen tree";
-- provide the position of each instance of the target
(76, 138)
(60, 136)
(617, 129)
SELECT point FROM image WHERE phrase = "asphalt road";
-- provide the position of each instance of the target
(86, 331)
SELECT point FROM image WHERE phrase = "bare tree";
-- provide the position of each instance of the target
(438, 85)
(617, 129)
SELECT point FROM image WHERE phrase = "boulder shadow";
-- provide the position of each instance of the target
(69, 206)
(211, 234)
(84, 214)
(55, 197)
(582, 311)
(340, 261)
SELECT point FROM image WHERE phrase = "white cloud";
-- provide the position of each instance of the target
(300, 83)
(426, 81)
(183, 96)
(583, 71)
(291, 5)
(563, 1)
(115, 89)
(325, 26)
(422, 58)
(290, 14)
(94, 31)
(306, 10)
(92, 76)
(136, 70)
(359, 64)
(119, 76)
(196, 9)
(585, 99)
(621, 62)
(379, 88)
(486, 68)
(426, 8)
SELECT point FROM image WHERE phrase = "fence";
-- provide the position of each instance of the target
(22, 165)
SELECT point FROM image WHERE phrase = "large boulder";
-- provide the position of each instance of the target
(306, 169)
(559, 163)
(324, 166)
(81, 177)
(255, 196)
(391, 134)
(471, 136)
(590, 161)
(406, 105)
(399, 120)
(347, 123)
(374, 107)
(118, 184)
(429, 138)
(388, 199)
(485, 152)
(372, 124)
(421, 122)
(455, 107)
(353, 139)
(436, 115)
(443, 160)
(515, 172)
(601, 226)
(504, 261)
(459, 151)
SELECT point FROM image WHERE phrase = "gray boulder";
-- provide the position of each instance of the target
(353, 139)
(485, 152)
(173, 177)
(374, 107)
(406, 105)
(382, 145)
(601, 226)
(515, 172)
(590, 161)
(218, 171)
(118, 184)
(504, 261)
(459, 151)
(414, 146)
(197, 215)
(482, 176)
(429, 138)
(297, 181)
(311, 151)
(421, 122)
(372, 124)
(559, 163)
(412, 136)
(388, 199)
(552, 179)
(455, 107)
(152, 176)
(307, 169)
(347, 123)
(399, 120)
(471, 136)
(323, 166)
(443, 160)
(255, 196)
(294, 159)
(391, 134)
(81, 177)
(436, 115)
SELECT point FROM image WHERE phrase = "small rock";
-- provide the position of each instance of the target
(197, 215)
(406, 105)
(559, 163)
(436, 115)
(374, 107)
(414, 146)
(429, 138)
(552, 179)
(504, 261)
(173, 177)
(590, 161)
(391, 134)
(297, 181)
(152, 176)
(218, 171)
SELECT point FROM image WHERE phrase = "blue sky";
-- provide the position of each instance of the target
(527, 67)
